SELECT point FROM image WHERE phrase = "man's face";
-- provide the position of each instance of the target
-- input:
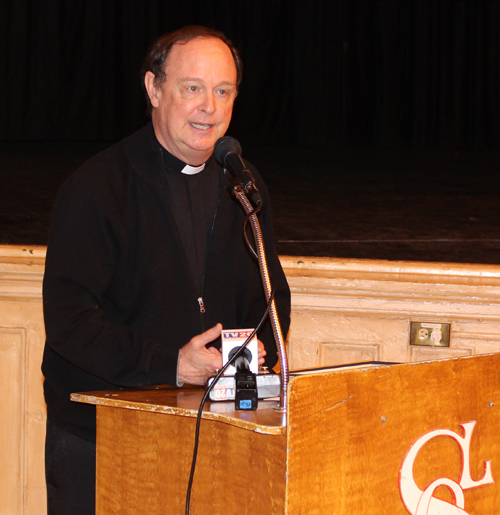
(193, 107)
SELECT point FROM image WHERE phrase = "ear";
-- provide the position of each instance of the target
(151, 88)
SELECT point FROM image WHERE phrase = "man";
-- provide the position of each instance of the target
(146, 259)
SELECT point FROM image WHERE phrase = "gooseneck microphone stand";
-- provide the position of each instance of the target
(227, 151)
(239, 191)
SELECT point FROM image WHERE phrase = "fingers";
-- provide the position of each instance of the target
(262, 353)
(208, 336)
(197, 363)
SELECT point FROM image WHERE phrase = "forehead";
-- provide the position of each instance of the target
(200, 57)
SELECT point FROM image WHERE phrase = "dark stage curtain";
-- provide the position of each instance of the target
(318, 73)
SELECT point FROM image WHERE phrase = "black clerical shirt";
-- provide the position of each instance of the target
(193, 200)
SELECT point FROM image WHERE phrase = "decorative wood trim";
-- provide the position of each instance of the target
(397, 271)
(360, 351)
(12, 444)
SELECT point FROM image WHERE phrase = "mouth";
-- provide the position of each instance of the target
(201, 126)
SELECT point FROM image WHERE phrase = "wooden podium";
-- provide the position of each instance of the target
(367, 440)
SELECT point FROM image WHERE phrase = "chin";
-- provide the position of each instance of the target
(205, 146)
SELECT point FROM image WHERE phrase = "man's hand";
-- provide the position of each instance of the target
(196, 362)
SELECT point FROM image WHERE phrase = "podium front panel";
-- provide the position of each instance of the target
(144, 460)
(397, 439)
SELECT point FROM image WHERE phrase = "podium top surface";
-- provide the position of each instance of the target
(185, 402)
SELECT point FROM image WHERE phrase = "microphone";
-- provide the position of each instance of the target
(227, 151)
(242, 362)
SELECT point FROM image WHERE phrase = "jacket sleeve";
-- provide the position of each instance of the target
(82, 256)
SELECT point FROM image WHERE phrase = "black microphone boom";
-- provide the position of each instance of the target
(227, 151)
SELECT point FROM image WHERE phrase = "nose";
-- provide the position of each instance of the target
(209, 103)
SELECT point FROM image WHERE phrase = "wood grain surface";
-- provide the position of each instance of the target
(347, 435)
(349, 432)
(144, 460)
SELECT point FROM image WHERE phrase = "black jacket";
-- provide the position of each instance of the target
(119, 297)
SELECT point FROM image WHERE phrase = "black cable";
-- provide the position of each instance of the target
(209, 389)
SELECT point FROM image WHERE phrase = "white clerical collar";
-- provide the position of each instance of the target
(192, 170)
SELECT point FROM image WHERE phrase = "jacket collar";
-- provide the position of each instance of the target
(145, 154)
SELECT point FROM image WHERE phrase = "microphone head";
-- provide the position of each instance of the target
(246, 354)
(224, 147)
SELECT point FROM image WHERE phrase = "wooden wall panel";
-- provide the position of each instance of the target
(12, 380)
(22, 407)
(342, 310)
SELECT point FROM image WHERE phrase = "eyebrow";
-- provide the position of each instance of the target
(198, 79)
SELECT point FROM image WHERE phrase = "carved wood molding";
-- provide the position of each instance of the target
(394, 289)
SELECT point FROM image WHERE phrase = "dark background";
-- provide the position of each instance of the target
(375, 122)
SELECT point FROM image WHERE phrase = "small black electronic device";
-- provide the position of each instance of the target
(246, 396)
